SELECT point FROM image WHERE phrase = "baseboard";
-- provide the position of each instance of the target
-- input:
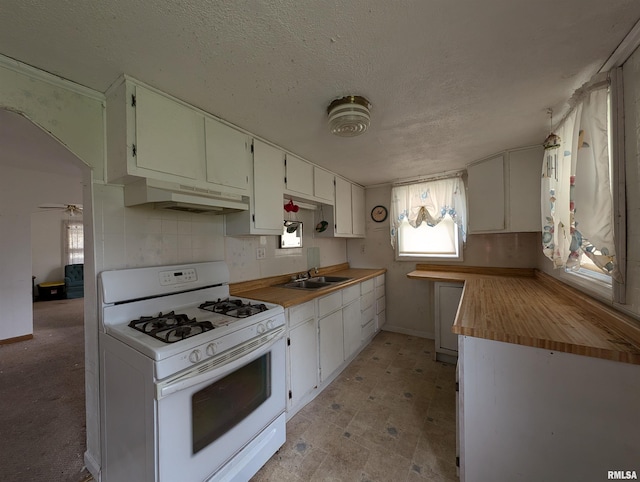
(16, 339)
(405, 331)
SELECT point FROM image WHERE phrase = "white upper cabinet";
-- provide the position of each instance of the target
(268, 176)
(169, 136)
(525, 170)
(228, 154)
(357, 210)
(266, 213)
(343, 208)
(348, 211)
(151, 135)
(504, 192)
(323, 187)
(486, 195)
(299, 175)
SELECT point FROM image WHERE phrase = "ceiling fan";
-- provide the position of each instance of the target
(71, 209)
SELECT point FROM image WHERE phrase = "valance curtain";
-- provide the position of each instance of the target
(429, 202)
(577, 202)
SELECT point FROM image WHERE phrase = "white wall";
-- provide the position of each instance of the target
(410, 302)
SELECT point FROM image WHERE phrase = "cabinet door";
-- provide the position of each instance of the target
(486, 195)
(228, 155)
(169, 136)
(358, 215)
(352, 320)
(268, 180)
(331, 344)
(303, 361)
(343, 208)
(323, 187)
(525, 166)
(446, 303)
(299, 175)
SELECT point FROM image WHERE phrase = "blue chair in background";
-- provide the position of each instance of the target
(74, 280)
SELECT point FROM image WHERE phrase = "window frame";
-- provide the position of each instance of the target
(430, 256)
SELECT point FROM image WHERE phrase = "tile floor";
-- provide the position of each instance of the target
(390, 416)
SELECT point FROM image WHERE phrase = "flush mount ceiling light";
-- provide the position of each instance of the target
(349, 116)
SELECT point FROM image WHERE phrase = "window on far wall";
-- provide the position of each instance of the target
(428, 220)
(73, 242)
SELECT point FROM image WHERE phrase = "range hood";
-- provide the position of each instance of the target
(180, 197)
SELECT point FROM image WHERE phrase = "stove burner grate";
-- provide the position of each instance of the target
(169, 327)
(233, 307)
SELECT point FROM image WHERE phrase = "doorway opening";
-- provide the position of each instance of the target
(42, 343)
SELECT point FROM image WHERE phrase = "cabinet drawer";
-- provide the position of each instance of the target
(379, 280)
(379, 291)
(368, 330)
(350, 294)
(367, 301)
(367, 286)
(368, 316)
(381, 318)
(329, 303)
(380, 305)
(299, 313)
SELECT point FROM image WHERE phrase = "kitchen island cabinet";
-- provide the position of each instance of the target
(548, 377)
(533, 414)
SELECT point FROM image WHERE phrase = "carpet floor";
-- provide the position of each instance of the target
(42, 400)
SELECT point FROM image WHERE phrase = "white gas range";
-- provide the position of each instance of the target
(192, 380)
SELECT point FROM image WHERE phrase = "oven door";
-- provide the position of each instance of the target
(207, 415)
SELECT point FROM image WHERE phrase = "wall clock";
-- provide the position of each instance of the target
(379, 214)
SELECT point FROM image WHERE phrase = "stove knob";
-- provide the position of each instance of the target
(211, 349)
(270, 324)
(261, 329)
(195, 356)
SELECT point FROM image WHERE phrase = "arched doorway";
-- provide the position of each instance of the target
(35, 166)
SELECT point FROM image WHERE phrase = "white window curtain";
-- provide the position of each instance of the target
(73, 242)
(577, 202)
(429, 202)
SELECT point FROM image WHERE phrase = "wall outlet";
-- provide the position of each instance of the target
(261, 253)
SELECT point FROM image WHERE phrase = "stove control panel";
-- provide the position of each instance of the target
(168, 278)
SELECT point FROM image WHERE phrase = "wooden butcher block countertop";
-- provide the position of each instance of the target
(266, 289)
(528, 307)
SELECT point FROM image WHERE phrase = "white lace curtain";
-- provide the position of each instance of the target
(429, 202)
(577, 202)
(73, 242)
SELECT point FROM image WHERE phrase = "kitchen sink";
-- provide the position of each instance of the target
(315, 283)
(307, 284)
(329, 279)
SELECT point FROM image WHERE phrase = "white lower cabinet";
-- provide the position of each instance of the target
(331, 342)
(325, 334)
(303, 361)
(380, 304)
(352, 329)
(447, 298)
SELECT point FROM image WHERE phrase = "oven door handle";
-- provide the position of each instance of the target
(220, 365)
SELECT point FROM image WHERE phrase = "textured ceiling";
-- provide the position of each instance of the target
(450, 81)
